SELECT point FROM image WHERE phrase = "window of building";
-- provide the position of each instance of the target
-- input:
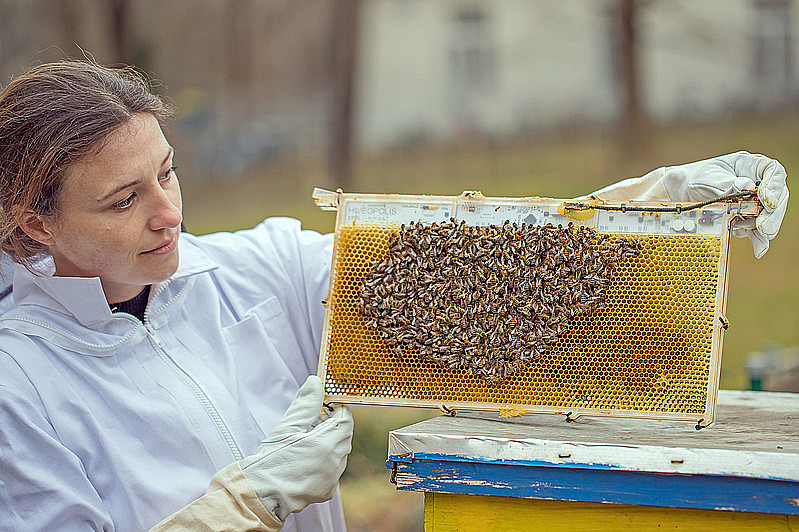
(473, 50)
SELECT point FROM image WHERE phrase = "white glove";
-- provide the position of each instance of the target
(735, 172)
(298, 463)
(302, 458)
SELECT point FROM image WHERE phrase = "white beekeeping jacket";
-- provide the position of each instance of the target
(107, 423)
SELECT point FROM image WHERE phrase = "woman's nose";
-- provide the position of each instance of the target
(167, 213)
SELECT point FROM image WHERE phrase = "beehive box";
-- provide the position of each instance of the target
(652, 350)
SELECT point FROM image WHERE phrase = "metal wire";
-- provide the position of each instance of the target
(678, 208)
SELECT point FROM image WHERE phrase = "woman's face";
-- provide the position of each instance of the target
(120, 213)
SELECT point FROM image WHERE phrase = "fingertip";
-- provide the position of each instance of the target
(312, 384)
(768, 223)
(312, 390)
(760, 243)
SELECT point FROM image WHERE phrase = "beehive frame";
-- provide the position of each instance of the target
(654, 351)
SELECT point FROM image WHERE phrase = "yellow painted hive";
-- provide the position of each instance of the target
(653, 350)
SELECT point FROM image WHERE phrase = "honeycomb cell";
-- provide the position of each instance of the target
(648, 349)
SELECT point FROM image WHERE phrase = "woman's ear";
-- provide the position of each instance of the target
(37, 227)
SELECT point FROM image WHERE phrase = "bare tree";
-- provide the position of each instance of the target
(343, 45)
(239, 19)
(633, 117)
(69, 26)
(120, 30)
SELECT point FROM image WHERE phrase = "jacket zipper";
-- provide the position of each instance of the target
(198, 391)
(100, 347)
(190, 382)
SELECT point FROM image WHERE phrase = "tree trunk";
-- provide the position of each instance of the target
(344, 46)
(633, 119)
(120, 29)
(68, 15)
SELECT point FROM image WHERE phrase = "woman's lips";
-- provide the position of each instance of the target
(164, 248)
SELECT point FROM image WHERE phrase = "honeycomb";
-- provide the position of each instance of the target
(487, 298)
(648, 349)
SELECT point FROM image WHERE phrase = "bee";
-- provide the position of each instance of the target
(487, 300)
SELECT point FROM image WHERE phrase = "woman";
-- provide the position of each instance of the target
(144, 361)
(139, 363)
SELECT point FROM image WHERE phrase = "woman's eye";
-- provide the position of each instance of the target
(125, 203)
(169, 173)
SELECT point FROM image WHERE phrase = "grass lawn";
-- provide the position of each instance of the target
(762, 301)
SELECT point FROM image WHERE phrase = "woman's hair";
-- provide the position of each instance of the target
(51, 117)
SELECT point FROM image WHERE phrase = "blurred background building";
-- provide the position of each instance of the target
(499, 69)
(260, 81)
(511, 97)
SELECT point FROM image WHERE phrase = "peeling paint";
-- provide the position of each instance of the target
(675, 490)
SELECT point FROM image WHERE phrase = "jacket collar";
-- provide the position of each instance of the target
(83, 297)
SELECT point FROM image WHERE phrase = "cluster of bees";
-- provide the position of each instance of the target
(489, 300)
